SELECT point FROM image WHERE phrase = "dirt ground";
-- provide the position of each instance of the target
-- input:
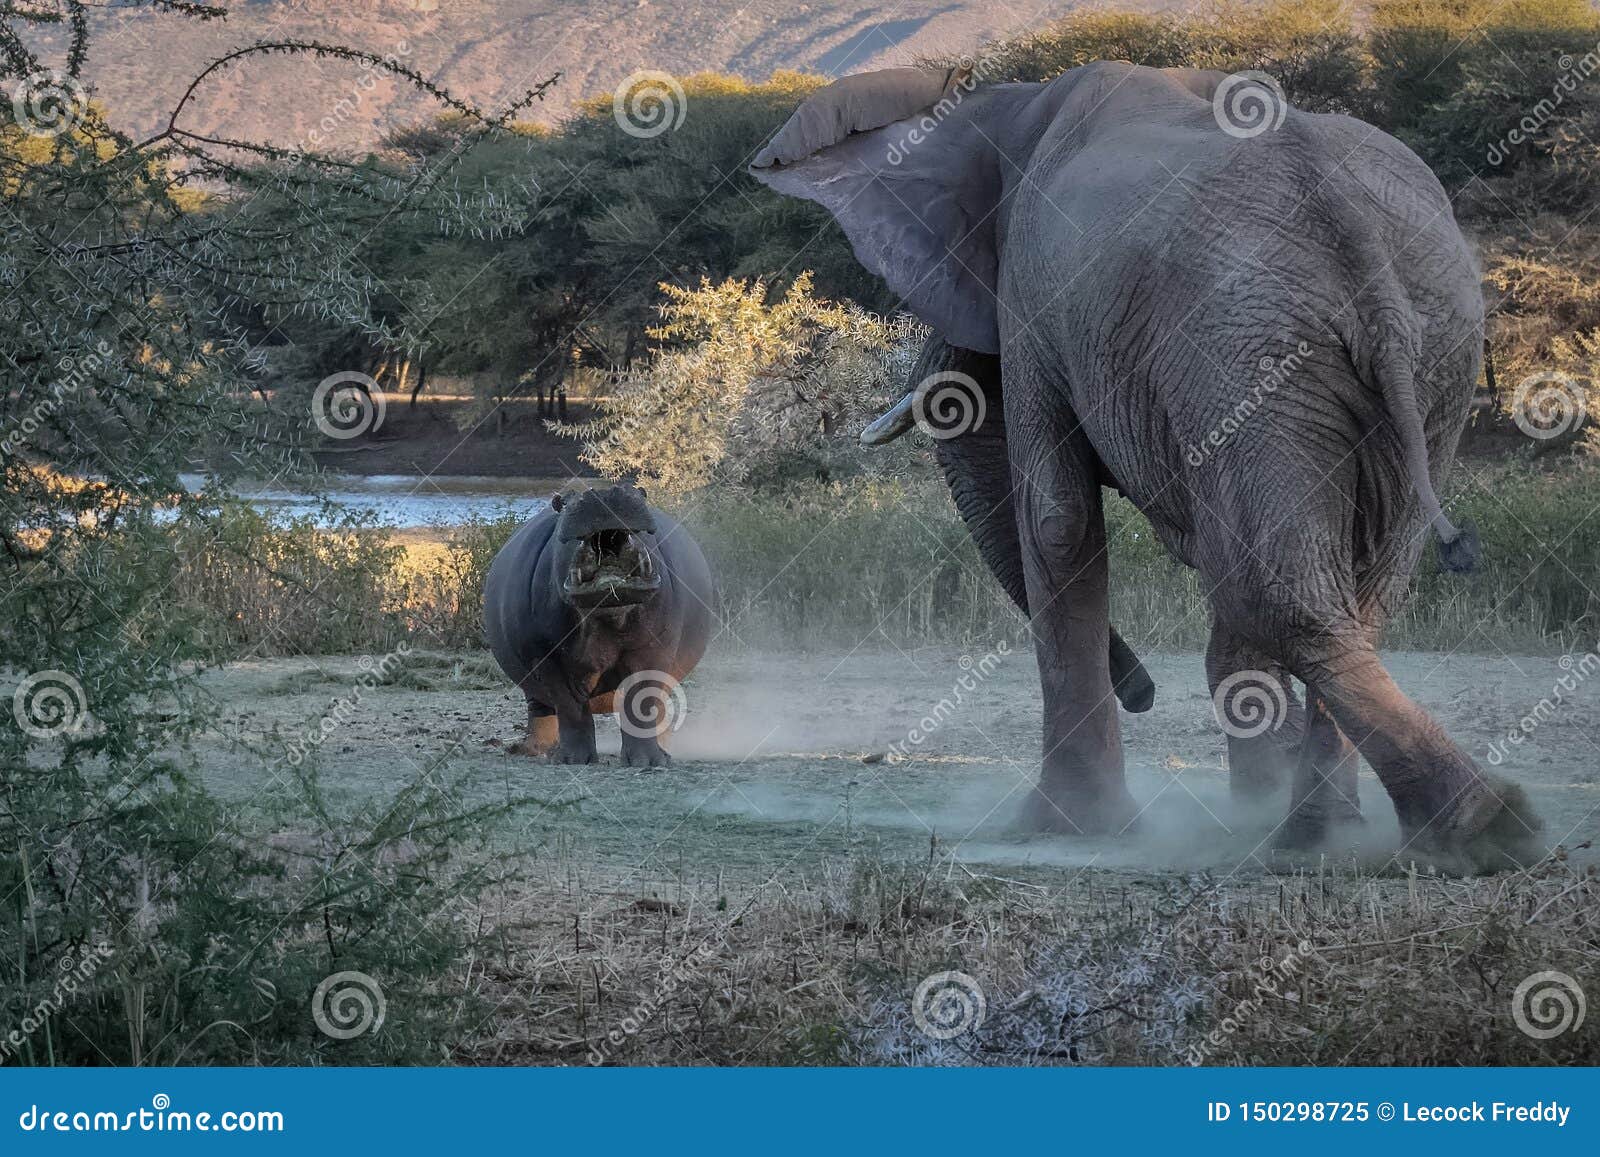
(771, 770)
(791, 892)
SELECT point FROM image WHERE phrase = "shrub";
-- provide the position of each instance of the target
(742, 384)
(866, 563)
(186, 935)
(1154, 39)
(1423, 50)
(1309, 46)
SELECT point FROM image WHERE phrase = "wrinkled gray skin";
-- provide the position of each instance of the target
(596, 588)
(975, 466)
(1136, 269)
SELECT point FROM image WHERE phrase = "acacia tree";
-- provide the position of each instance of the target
(133, 277)
(741, 381)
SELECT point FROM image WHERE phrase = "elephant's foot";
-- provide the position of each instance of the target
(1308, 829)
(1250, 781)
(1069, 808)
(1485, 825)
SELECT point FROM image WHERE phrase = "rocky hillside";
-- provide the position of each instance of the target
(493, 50)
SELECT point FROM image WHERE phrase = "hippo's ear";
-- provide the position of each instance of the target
(556, 503)
(905, 159)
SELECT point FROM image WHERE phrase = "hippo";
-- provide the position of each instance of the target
(599, 603)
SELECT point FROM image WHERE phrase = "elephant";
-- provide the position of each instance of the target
(1261, 325)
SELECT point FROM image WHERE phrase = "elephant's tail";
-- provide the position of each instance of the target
(1459, 548)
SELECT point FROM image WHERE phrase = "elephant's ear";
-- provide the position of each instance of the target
(902, 160)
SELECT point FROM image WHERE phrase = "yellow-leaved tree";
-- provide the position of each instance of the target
(739, 380)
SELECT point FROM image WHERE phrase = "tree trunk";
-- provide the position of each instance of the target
(422, 380)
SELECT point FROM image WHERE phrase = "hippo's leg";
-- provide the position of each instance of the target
(643, 751)
(643, 717)
(542, 734)
(576, 738)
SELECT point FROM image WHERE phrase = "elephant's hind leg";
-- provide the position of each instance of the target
(1445, 803)
(1324, 796)
(1081, 787)
(1255, 704)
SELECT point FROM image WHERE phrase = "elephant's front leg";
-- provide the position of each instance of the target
(1061, 525)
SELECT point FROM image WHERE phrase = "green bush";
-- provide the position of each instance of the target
(443, 592)
(1154, 39)
(877, 563)
(1311, 47)
(287, 586)
(870, 564)
(1537, 587)
(145, 921)
(1424, 50)
(1485, 90)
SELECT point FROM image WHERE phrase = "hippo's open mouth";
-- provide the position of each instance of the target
(611, 568)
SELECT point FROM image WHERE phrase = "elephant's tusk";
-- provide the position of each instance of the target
(893, 424)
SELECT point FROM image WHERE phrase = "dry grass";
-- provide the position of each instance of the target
(873, 564)
(1330, 965)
